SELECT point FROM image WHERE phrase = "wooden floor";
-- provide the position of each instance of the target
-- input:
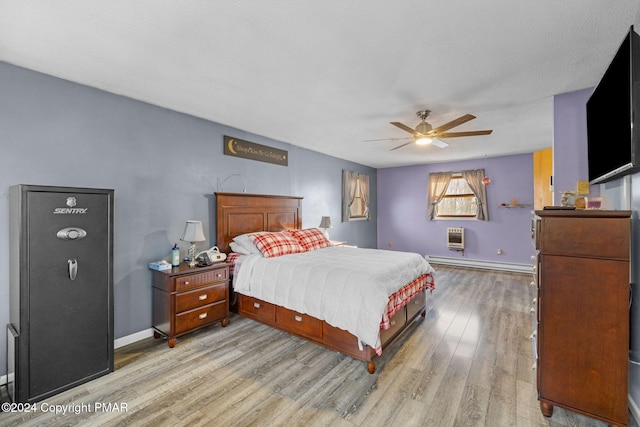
(468, 363)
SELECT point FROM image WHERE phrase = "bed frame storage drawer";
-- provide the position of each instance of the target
(397, 321)
(257, 309)
(416, 305)
(344, 342)
(298, 323)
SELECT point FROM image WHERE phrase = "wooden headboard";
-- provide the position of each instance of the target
(239, 213)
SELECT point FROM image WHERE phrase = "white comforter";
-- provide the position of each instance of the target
(349, 288)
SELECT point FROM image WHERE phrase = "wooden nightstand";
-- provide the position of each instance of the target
(186, 299)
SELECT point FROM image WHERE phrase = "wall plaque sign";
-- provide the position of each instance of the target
(250, 150)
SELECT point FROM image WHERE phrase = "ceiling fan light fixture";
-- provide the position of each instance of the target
(423, 140)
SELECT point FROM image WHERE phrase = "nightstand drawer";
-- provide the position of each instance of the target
(201, 316)
(199, 297)
(299, 323)
(195, 280)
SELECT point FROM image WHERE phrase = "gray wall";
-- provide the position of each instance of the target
(164, 167)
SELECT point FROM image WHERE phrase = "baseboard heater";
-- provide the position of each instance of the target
(475, 263)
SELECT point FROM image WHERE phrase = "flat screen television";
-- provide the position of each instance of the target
(612, 139)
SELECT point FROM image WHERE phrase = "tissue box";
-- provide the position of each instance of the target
(157, 265)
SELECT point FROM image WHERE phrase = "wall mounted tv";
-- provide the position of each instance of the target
(613, 140)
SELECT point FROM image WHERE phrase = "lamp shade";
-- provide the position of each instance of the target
(325, 222)
(193, 232)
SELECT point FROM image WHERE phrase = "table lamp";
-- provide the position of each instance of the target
(193, 234)
(326, 224)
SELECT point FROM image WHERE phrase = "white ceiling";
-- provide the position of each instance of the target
(327, 75)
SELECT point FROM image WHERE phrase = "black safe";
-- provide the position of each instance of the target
(61, 289)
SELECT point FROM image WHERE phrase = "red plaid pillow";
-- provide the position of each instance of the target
(276, 244)
(310, 238)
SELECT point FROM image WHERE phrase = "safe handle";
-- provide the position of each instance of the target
(73, 268)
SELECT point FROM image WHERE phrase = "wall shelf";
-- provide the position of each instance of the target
(518, 206)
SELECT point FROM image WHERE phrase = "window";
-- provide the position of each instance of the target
(458, 201)
(457, 195)
(355, 196)
(358, 207)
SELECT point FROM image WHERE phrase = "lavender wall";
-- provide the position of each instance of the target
(570, 151)
(402, 206)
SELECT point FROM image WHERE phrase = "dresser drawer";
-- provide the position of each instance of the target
(259, 310)
(585, 238)
(201, 296)
(201, 316)
(196, 280)
(299, 323)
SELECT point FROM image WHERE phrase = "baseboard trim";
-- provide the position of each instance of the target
(120, 342)
(474, 263)
(130, 339)
(634, 409)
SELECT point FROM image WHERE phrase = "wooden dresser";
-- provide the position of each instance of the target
(583, 280)
(186, 299)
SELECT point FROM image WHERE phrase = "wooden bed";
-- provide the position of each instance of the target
(239, 213)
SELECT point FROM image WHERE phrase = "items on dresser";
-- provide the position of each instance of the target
(582, 311)
(187, 298)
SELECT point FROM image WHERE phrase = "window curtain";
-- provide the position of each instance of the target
(438, 184)
(349, 185)
(348, 193)
(364, 189)
(474, 179)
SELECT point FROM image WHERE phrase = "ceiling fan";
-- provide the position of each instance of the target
(424, 133)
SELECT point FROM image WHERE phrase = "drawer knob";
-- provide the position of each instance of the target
(203, 316)
(298, 318)
(392, 323)
(202, 297)
(186, 283)
(256, 305)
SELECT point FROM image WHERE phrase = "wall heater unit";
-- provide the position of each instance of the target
(455, 238)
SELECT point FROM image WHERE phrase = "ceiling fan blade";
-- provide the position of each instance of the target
(404, 127)
(386, 139)
(461, 134)
(400, 146)
(439, 143)
(453, 123)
